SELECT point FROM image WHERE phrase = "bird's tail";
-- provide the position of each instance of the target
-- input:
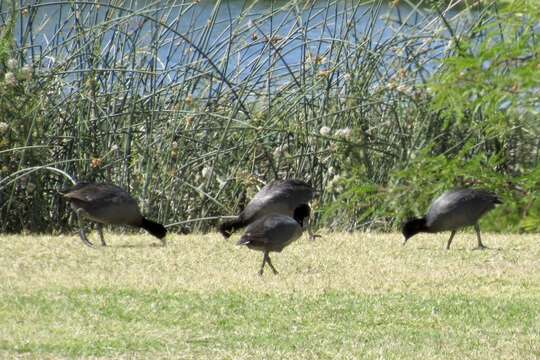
(228, 227)
(154, 228)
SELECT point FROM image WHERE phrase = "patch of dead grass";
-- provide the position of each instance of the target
(360, 262)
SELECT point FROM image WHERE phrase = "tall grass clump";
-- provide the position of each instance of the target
(192, 106)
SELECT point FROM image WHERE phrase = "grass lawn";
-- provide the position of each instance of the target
(344, 296)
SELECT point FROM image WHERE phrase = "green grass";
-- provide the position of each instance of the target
(343, 296)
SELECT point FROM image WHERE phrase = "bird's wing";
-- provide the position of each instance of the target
(280, 196)
(97, 192)
(448, 201)
(459, 207)
(271, 230)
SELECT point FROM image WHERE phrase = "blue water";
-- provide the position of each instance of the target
(173, 41)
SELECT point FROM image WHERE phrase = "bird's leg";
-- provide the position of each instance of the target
(450, 240)
(264, 262)
(81, 229)
(100, 231)
(312, 236)
(270, 264)
(480, 245)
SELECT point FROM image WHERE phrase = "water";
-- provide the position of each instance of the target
(221, 43)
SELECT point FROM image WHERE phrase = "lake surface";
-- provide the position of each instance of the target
(234, 40)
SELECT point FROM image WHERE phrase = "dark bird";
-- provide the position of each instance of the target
(451, 211)
(108, 204)
(273, 232)
(278, 197)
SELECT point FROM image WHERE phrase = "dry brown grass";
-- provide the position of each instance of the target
(361, 262)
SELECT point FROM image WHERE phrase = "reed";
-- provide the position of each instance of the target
(192, 106)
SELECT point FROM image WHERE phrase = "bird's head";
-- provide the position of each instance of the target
(413, 227)
(302, 213)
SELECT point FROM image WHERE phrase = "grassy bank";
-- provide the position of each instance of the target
(343, 296)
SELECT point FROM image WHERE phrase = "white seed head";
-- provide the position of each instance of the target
(26, 72)
(402, 88)
(12, 64)
(206, 172)
(221, 182)
(332, 184)
(114, 147)
(281, 149)
(344, 133)
(10, 79)
(325, 131)
(4, 127)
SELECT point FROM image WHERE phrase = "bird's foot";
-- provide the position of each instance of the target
(89, 244)
(312, 237)
(481, 247)
(85, 240)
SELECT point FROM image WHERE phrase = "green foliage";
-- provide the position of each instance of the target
(490, 88)
(6, 36)
(483, 132)
(412, 189)
(492, 80)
